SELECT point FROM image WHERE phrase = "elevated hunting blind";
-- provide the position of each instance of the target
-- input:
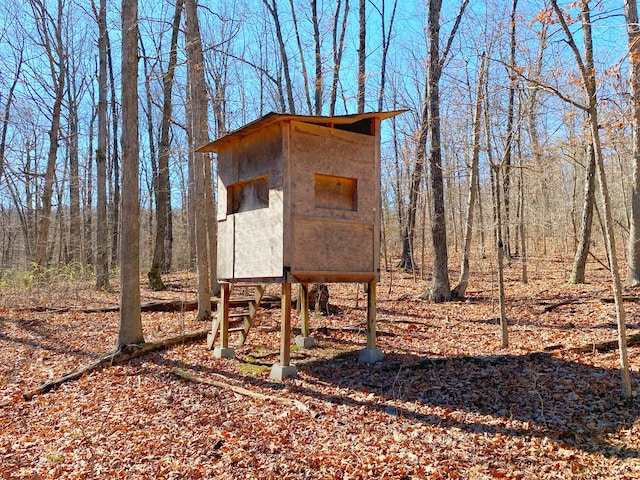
(298, 201)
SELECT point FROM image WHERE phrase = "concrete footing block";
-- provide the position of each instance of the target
(370, 356)
(228, 353)
(280, 372)
(305, 342)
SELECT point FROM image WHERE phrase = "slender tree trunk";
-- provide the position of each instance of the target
(162, 184)
(362, 54)
(102, 231)
(338, 47)
(130, 319)
(582, 251)
(506, 183)
(75, 237)
(587, 73)
(440, 288)
(318, 80)
(7, 114)
(303, 63)
(273, 10)
(633, 246)
(115, 164)
(386, 41)
(463, 282)
(57, 61)
(497, 217)
(199, 137)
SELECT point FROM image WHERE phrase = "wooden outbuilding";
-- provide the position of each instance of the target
(298, 201)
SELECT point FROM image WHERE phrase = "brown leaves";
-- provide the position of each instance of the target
(447, 401)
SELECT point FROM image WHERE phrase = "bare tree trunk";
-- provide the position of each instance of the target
(338, 46)
(199, 137)
(114, 163)
(633, 247)
(273, 10)
(102, 231)
(497, 217)
(587, 73)
(463, 282)
(57, 63)
(386, 41)
(506, 183)
(303, 64)
(130, 320)
(162, 183)
(74, 174)
(7, 114)
(582, 251)
(362, 54)
(317, 83)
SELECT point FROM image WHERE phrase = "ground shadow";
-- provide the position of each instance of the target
(567, 401)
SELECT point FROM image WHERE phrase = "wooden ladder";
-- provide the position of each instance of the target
(246, 296)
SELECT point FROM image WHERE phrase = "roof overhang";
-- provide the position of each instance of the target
(271, 118)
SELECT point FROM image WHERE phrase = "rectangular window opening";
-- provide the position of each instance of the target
(246, 196)
(336, 193)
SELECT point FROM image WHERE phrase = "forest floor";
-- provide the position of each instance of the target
(447, 401)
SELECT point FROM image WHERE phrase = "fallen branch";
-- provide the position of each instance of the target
(242, 391)
(124, 354)
(626, 298)
(555, 305)
(160, 306)
(604, 346)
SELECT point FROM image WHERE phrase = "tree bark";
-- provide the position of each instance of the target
(273, 10)
(582, 251)
(162, 183)
(460, 290)
(338, 46)
(102, 232)
(633, 246)
(130, 320)
(57, 63)
(440, 288)
(587, 73)
(362, 54)
(199, 136)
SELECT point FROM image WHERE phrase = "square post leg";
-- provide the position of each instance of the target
(371, 354)
(304, 340)
(284, 370)
(223, 351)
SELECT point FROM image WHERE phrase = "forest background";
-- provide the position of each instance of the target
(319, 58)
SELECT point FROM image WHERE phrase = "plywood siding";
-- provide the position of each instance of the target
(258, 241)
(334, 239)
(329, 152)
(332, 246)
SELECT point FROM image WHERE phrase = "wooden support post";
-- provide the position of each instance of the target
(223, 351)
(304, 309)
(283, 369)
(371, 354)
(223, 315)
(371, 316)
(285, 325)
(304, 340)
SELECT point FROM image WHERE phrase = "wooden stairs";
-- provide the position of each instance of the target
(244, 297)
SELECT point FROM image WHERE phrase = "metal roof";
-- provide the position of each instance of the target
(271, 118)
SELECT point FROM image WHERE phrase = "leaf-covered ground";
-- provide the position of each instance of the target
(446, 402)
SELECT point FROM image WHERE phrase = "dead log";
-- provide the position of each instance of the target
(562, 303)
(124, 354)
(242, 391)
(604, 346)
(625, 298)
